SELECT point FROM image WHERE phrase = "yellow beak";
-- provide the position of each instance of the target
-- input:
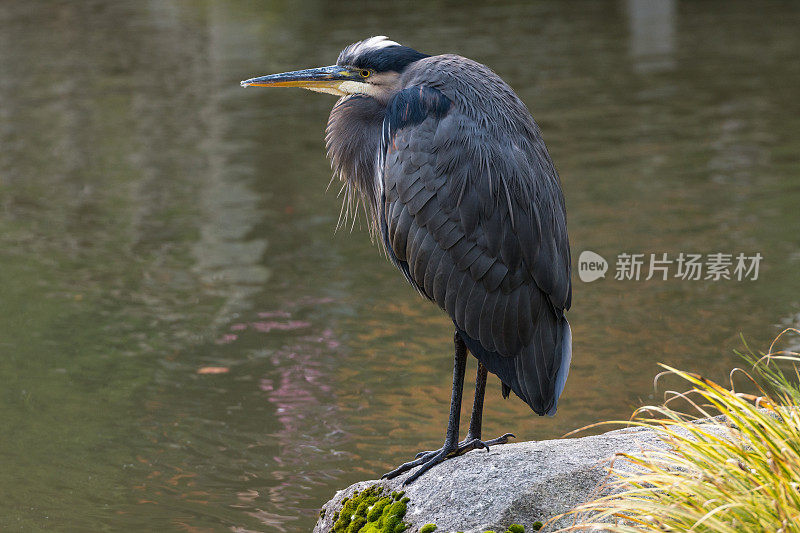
(313, 78)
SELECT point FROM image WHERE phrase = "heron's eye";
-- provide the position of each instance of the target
(365, 73)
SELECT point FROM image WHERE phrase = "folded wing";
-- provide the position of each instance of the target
(475, 219)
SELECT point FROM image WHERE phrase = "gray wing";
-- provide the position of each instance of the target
(477, 224)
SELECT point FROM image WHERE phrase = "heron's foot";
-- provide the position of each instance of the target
(471, 443)
(432, 458)
(427, 460)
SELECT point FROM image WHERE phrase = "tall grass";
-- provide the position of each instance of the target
(734, 474)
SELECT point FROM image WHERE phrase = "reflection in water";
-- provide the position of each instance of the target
(652, 34)
(229, 257)
(156, 219)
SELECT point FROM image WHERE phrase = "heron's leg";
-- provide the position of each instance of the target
(473, 439)
(476, 419)
(430, 459)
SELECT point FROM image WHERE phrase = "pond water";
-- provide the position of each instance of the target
(156, 221)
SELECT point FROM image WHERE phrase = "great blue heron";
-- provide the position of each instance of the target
(462, 194)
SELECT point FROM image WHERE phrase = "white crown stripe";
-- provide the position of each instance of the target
(373, 43)
(379, 41)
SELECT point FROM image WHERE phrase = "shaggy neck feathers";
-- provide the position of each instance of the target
(352, 139)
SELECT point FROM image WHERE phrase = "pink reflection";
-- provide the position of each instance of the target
(227, 338)
(301, 377)
(266, 327)
(301, 386)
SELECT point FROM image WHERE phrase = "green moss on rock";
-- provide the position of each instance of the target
(357, 524)
(368, 511)
(372, 511)
(377, 509)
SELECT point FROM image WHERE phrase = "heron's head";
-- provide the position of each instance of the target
(370, 67)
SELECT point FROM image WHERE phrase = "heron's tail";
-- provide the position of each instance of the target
(565, 353)
(538, 374)
(542, 368)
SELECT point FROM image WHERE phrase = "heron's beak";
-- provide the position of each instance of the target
(327, 79)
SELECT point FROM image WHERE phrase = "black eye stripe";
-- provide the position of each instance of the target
(390, 58)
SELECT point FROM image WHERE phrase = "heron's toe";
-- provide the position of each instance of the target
(503, 439)
(439, 457)
(470, 443)
(405, 467)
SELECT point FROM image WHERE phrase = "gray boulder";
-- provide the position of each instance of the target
(517, 483)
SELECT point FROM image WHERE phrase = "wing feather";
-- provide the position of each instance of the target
(419, 200)
(472, 313)
(441, 279)
(400, 231)
(480, 231)
(431, 270)
(415, 237)
(451, 292)
(449, 235)
(463, 294)
(422, 256)
(495, 276)
(486, 321)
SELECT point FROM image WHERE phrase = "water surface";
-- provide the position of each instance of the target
(156, 219)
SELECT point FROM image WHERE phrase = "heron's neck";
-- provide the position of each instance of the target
(353, 139)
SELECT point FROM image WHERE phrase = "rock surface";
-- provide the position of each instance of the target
(511, 484)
